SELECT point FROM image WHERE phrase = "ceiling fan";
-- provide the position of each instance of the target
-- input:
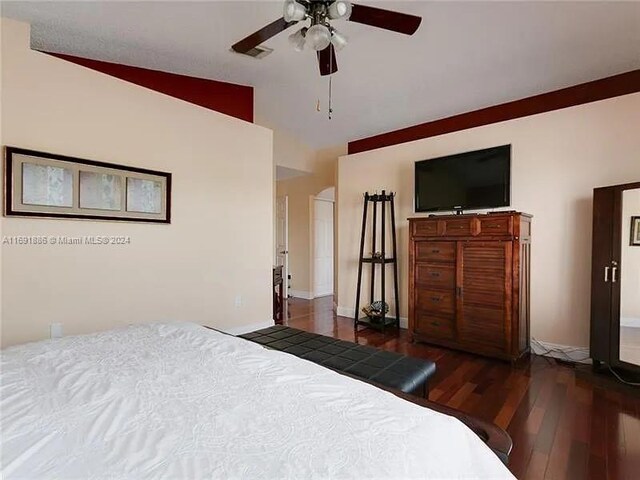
(320, 35)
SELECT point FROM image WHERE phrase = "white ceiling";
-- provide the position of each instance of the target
(465, 55)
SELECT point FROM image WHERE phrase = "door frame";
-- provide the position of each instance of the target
(285, 267)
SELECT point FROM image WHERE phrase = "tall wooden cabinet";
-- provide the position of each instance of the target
(469, 282)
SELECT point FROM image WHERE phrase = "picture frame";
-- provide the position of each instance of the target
(47, 185)
(635, 232)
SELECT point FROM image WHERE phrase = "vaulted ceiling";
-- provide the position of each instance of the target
(465, 55)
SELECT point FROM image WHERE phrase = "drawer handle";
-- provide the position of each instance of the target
(435, 251)
(435, 324)
(435, 274)
(435, 299)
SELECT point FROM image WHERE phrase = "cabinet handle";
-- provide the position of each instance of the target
(435, 251)
(435, 274)
(606, 274)
(435, 324)
(613, 274)
(435, 299)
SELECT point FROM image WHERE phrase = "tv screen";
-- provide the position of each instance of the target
(466, 181)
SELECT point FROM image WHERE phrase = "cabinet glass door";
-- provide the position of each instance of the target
(628, 274)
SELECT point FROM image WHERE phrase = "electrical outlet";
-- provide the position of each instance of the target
(55, 330)
(238, 301)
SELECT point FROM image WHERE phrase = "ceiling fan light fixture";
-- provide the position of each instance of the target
(339, 40)
(293, 11)
(297, 39)
(318, 37)
(340, 9)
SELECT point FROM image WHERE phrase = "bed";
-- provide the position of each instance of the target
(177, 400)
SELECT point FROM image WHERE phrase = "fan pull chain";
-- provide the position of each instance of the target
(330, 109)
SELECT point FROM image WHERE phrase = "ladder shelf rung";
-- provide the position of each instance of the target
(378, 260)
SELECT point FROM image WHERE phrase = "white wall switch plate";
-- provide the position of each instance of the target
(55, 329)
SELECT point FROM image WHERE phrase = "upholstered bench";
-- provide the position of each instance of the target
(410, 375)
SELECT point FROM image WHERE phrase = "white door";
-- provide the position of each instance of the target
(323, 248)
(282, 239)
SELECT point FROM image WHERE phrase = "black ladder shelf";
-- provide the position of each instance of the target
(378, 258)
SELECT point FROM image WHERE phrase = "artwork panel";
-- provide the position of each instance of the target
(635, 231)
(144, 196)
(100, 191)
(47, 185)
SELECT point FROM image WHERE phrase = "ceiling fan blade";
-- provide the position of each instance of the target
(327, 61)
(378, 17)
(262, 35)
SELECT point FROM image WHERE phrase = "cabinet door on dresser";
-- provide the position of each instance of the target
(484, 303)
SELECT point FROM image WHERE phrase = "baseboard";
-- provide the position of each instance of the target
(322, 295)
(630, 322)
(300, 294)
(350, 312)
(247, 328)
(561, 352)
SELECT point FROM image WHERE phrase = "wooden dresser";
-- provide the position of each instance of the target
(469, 282)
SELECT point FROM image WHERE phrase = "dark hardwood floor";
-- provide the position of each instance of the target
(565, 422)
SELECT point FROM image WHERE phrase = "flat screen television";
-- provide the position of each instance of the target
(466, 181)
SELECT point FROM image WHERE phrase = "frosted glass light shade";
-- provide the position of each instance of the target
(318, 37)
(339, 40)
(293, 11)
(297, 40)
(339, 9)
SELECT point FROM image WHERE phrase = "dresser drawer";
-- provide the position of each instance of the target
(463, 227)
(436, 252)
(430, 275)
(496, 226)
(434, 325)
(425, 228)
(443, 302)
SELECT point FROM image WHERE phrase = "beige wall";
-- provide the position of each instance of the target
(217, 247)
(558, 158)
(288, 151)
(630, 261)
(301, 191)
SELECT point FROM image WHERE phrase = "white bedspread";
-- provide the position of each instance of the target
(181, 401)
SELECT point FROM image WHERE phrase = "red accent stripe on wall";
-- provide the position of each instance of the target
(602, 89)
(228, 98)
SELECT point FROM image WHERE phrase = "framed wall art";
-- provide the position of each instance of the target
(39, 184)
(635, 232)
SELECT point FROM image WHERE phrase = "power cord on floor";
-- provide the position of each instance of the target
(565, 352)
(622, 380)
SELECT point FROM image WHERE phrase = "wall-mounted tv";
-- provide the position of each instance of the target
(466, 181)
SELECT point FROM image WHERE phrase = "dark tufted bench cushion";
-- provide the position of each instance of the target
(390, 369)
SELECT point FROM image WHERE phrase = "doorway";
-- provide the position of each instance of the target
(282, 240)
(323, 247)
